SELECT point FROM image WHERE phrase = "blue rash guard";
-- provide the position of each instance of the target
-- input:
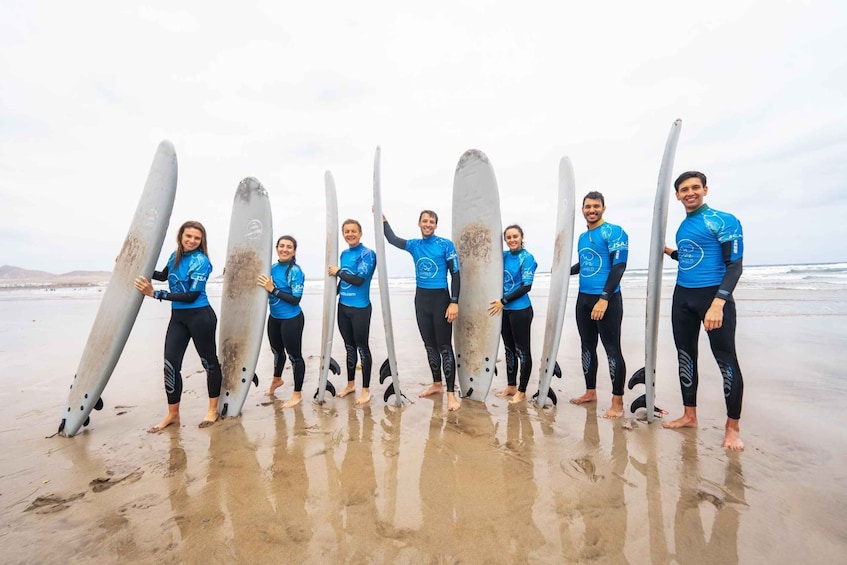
(360, 262)
(600, 249)
(700, 245)
(518, 271)
(190, 276)
(286, 281)
(433, 256)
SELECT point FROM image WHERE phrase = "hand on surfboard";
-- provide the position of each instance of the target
(495, 308)
(144, 286)
(265, 281)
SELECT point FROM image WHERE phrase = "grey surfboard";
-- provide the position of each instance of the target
(244, 304)
(559, 275)
(658, 233)
(121, 301)
(389, 368)
(330, 300)
(476, 235)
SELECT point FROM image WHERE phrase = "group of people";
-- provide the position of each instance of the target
(709, 252)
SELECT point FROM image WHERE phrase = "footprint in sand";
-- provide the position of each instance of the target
(104, 483)
(50, 503)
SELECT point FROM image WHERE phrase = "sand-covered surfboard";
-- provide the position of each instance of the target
(476, 235)
(559, 274)
(121, 301)
(647, 374)
(244, 304)
(389, 367)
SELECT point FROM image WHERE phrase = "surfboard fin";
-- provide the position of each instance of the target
(334, 368)
(330, 388)
(638, 378)
(551, 394)
(224, 409)
(557, 371)
(256, 380)
(61, 426)
(86, 422)
(99, 405)
(641, 402)
(388, 391)
(384, 371)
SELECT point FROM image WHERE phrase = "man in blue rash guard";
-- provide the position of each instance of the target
(356, 269)
(709, 251)
(603, 252)
(435, 306)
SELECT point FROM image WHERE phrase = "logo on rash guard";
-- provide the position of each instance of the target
(175, 284)
(590, 262)
(426, 267)
(714, 223)
(344, 284)
(508, 282)
(690, 254)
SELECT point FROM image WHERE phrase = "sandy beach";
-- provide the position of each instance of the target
(491, 483)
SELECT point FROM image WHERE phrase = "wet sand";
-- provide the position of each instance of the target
(491, 483)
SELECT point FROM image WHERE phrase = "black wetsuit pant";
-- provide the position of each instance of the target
(286, 336)
(516, 341)
(687, 313)
(609, 331)
(198, 325)
(437, 333)
(355, 327)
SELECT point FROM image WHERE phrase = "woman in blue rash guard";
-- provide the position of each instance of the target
(436, 306)
(356, 269)
(286, 320)
(518, 273)
(192, 318)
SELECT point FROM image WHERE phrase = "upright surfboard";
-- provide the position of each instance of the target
(121, 301)
(476, 235)
(330, 289)
(559, 274)
(389, 367)
(244, 303)
(647, 374)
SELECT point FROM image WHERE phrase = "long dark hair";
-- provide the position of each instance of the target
(293, 257)
(189, 224)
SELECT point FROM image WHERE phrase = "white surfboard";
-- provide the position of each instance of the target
(647, 375)
(244, 304)
(476, 235)
(121, 301)
(559, 276)
(389, 367)
(330, 289)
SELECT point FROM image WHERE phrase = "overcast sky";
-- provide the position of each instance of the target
(284, 91)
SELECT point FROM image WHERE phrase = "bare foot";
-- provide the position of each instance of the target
(616, 411)
(732, 439)
(295, 399)
(452, 402)
(364, 398)
(276, 382)
(508, 391)
(436, 388)
(688, 420)
(349, 389)
(211, 418)
(589, 396)
(518, 397)
(169, 419)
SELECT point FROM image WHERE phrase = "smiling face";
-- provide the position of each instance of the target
(592, 211)
(514, 239)
(285, 249)
(352, 233)
(191, 239)
(427, 223)
(691, 193)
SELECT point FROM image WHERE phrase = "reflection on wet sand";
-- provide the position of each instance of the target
(290, 485)
(655, 516)
(697, 493)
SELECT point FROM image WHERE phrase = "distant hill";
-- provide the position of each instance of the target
(16, 275)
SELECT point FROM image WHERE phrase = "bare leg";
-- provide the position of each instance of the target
(365, 397)
(732, 439)
(296, 398)
(508, 391)
(616, 411)
(276, 382)
(518, 397)
(211, 414)
(452, 402)
(436, 388)
(350, 388)
(589, 396)
(171, 418)
(688, 420)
